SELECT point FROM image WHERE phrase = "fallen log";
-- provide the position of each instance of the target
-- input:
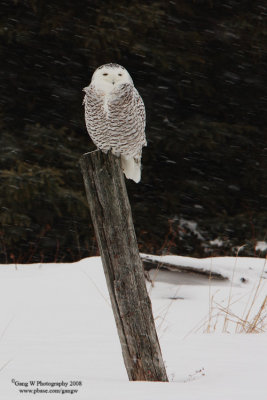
(150, 263)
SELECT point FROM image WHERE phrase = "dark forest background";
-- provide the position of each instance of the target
(200, 68)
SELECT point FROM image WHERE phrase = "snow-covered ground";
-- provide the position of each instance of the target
(57, 327)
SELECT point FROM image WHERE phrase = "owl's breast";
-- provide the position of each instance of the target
(120, 102)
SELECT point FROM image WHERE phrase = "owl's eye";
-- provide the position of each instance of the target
(105, 74)
(120, 74)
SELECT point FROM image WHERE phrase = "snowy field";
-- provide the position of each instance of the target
(58, 338)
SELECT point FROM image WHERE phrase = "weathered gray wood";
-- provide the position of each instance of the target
(112, 219)
(155, 264)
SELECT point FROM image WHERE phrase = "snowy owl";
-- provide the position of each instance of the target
(115, 116)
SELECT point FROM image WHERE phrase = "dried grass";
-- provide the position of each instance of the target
(249, 321)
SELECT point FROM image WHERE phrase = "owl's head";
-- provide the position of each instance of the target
(108, 76)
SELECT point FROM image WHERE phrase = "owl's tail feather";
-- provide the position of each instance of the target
(131, 168)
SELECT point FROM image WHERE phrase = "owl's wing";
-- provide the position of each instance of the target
(127, 121)
(142, 115)
(95, 118)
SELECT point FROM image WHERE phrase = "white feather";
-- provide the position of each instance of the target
(131, 168)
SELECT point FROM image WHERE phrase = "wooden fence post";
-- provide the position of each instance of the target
(112, 220)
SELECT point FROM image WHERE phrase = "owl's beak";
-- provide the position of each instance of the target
(113, 82)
